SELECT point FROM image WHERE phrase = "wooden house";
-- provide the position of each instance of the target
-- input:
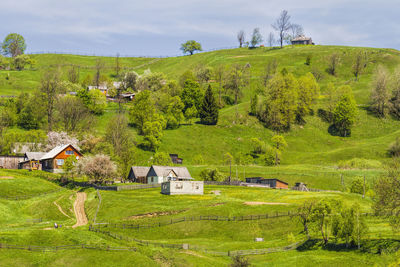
(160, 174)
(302, 40)
(273, 183)
(31, 161)
(175, 159)
(138, 174)
(54, 160)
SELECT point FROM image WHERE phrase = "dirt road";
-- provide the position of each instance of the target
(79, 209)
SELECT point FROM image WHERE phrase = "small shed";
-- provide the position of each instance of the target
(182, 188)
(31, 161)
(176, 159)
(138, 174)
(273, 183)
(302, 40)
(10, 162)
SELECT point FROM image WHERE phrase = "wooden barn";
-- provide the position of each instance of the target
(10, 162)
(138, 174)
(176, 159)
(54, 160)
(273, 183)
(302, 40)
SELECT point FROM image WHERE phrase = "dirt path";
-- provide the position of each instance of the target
(79, 209)
(59, 207)
(264, 203)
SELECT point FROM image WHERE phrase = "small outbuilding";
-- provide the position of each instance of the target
(31, 161)
(302, 40)
(182, 188)
(272, 183)
(10, 162)
(138, 174)
(176, 159)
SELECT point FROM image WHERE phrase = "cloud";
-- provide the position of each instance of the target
(95, 24)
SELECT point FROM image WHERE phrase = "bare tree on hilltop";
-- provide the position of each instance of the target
(240, 37)
(282, 25)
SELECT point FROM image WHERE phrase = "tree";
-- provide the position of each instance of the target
(117, 65)
(73, 74)
(50, 85)
(282, 25)
(344, 114)
(358, 187)
(380, 94)
(253, 105)
(191, 95)
(71, 112)
(20, 61)
(304, 214)
(308, 92)
(394, 148)
(190, 47)
(211, 175)
(209, 109)
(153, 81)
(256, 37)
(118, 134)
(360, 63)
(99, 68)
(320, 217)
(14, 45)
(98, 102)
(129, 81)
(395, 98)
(219, 75)
(269, 71)
(187, 75)
(271, 39)
(142, 110)
(333, 62)
(60, 138)
(241, 38)
(240, 261)
(152, 132)
(203, 73)
(258, 146)
(295, 30)
(237, 79)
(387, 194)
(98, 167)
(161, 158)
(69, 166)
(174, 113)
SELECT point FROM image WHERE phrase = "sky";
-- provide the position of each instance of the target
(158, 28)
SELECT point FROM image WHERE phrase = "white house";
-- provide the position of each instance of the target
(182, 188)
(160, 174)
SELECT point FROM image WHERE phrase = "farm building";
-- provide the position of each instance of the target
(182, 188)
(176, 159)
(160, 174)
(138, 174)
(10, 162)
(53, 160)
(31, 161)
(273, 183)
(302, 40)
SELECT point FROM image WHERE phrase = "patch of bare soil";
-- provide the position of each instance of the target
(79, 209)
(216, 192)
(6, 177)
(216, 204)
(264, 203)
(154, 214)
(238, 56)
(48, 228)
(59, 207)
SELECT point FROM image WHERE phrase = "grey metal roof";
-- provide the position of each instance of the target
(140, 171)
(301, 38)
(181, 172)
(55, 151)
(34, 155)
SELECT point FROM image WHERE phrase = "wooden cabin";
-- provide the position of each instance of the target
(10, 162)
(31, 161)
(138, 174)
(302, 40)
(54, 160)
(175, 159)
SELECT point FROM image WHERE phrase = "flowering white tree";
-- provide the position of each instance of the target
(60, 138)
(98, 167)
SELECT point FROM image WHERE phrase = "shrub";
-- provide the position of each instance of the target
(211, 175)
(394, 148)
(269, 158)
(161, 158)
(357, 186)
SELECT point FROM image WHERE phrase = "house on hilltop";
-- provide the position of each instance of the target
(138, 174)
(302, 40)
(54, 160)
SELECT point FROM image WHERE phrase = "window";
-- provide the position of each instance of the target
(69, 152)
(60, 162)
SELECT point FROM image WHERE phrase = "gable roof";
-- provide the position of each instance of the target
(163, 171)
(140, 171)
(34, 155)
(301, 38)
(55, 151)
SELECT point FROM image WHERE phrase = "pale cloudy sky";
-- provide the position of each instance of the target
(154, 27)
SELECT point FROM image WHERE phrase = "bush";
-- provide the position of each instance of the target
(211, 175)
(269, 157)
(198, 159)
(357, 186)
(394, 148)
(358, 163)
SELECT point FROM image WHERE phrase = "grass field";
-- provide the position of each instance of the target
(148, 206)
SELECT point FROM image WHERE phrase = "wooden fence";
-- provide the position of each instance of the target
(197, 218)
(197, 248)
(65, 247)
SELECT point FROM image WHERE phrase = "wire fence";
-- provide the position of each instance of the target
(65, 247)
(197, 218)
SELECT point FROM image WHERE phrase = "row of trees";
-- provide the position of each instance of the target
(285, 29)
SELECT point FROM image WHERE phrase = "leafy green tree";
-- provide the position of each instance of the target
(256, 37)
(153, 81)
(253, 105)
(304, 214)
(161, 158)
(129, 81)
(72, 113)
(321, 218)
(259, 146)
(191, 113)
(87, 81)
(380, 94)
(20, 61)
(209, 109)
(190, 47)
(174, 113)
(344, 114)
(279, 142)
(211, 175)
(237, 79)
(308, 91)
(270, 156)
(142, 110)
(98, 102)
(187, 75)
(357, 186)
(69, 165)
(203, 73)
(31, 114)
(333, 63)
(118, 134)
(191, 95)
(280, 105)
(198, 159)
(14, 45)
(152, 132)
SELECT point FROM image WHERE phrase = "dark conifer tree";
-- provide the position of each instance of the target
(209, 109)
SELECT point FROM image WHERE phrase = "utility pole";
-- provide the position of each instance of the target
(230, 170)
(364, 187)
